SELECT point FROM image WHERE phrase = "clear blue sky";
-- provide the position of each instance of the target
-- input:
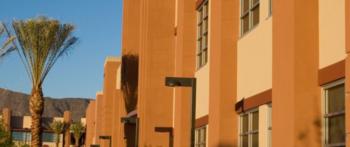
(80, 74)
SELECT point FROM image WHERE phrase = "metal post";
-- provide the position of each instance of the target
(193, 117)
(137, 132)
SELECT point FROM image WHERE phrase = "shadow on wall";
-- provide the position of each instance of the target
(129, 80)
(130, 135)
(310, 134)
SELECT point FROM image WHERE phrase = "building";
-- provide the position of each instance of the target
(19, 127)
(269, 73)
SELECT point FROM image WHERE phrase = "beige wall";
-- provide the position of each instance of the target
(202, 103)
(254, 73)
(332, 31)
(27, 120)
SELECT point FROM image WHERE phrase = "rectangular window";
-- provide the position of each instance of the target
(249, 129)
(201, 137)
(250, 12)
(202, 34)
(334, 116)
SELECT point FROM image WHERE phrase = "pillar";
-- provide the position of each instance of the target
(223, 36)
(296, 107)
(67, 119)
(185, 58)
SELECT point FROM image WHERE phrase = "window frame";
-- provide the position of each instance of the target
(250, 132)
(202, 34)
(269, 124)
(249, 13)
(326, 115)
(198, 142)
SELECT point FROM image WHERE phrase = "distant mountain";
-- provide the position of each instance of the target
(18, 103)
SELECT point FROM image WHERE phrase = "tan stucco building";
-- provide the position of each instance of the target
(19, 127)
(269, 73)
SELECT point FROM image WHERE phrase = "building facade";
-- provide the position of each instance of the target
(19, 127)
(269, 73)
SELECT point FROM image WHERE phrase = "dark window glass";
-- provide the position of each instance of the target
(255, 140)
(336, 99)
(335, 116)
(255, 14)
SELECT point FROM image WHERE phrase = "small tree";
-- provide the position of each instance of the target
(78, 129)
(57, 127)
(41, 42)
(5, 136)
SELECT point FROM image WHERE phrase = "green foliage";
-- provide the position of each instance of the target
(57, 127)
(5, 136)
(42, 41)
(78, 129)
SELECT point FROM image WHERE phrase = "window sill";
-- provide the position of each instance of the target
(248, 32)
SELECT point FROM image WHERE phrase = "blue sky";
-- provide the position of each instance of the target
(80, 74)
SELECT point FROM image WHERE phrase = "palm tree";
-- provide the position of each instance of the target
(42, 41)
(7, 46)
(78, 129)
(57, 127)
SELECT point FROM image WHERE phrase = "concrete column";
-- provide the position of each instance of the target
(90, 123)
(296, 106)
(109, 85)
(155, 103)
(99, 116)
(347, 70)
(185, 58)
(6, 117)
(67, 119)
(223, 36)
(118, 112)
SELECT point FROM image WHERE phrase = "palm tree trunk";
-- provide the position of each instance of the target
(57, 139)
(36, 104)
(76, 142)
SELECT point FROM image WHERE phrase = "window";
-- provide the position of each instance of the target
(249, 129)
(26, 137)
(21, 136)
(249, 14)
(202, 34)
(334, 116)
(48, 137)
(201, 137)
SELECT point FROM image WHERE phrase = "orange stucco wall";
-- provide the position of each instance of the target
(185, 44)
(223, 35)
(67, 119)
(156, 58)
(99, 116)
(118, 112)
(109, 86)
(90, 123)
(295, 74)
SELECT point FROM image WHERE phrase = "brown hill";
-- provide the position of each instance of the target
(18, 103)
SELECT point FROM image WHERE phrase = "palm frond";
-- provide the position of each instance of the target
(77, 128)
(42, 42)
(8, 45)
(57, 126)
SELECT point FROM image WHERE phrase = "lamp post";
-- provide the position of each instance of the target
(186, 82)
